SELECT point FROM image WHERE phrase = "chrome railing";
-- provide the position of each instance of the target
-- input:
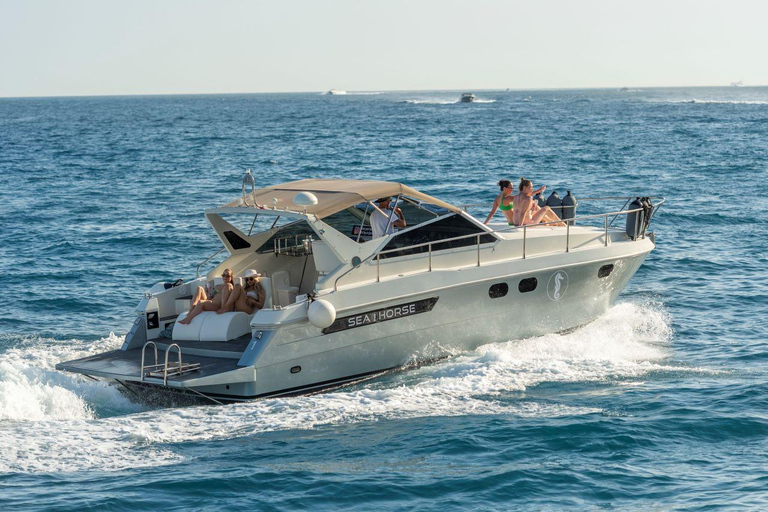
(637, 235)
(206, 260)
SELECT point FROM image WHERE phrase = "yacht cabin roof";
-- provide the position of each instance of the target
(332, 195)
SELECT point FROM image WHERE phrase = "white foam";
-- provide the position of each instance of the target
(31, 388)
(432, 102)
(631, 340)
(443, 102)
(718, 102)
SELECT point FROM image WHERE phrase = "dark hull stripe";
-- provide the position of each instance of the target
(295, 391)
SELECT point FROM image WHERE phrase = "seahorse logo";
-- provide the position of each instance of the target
(558, 280)
(558, 285)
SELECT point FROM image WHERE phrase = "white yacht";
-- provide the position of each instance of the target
(343, 306)
(467, 97)
(336, 92)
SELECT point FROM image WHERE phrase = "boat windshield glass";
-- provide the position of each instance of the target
(290, 235)
(447, 227)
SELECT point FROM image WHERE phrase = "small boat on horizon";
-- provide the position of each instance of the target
(740, 83)
(336, 92)
(467, 97)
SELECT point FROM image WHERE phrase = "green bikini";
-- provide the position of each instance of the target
(502, 207)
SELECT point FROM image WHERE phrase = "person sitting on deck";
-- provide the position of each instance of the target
(526, 212)
(380, 218)
(248, 298)
(504, 201)
(212, 301)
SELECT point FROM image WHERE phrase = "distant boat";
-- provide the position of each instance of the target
(467, 97)
(737, 84)
(336, 92)
(624, 89)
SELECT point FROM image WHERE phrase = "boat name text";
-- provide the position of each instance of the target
(381, 315)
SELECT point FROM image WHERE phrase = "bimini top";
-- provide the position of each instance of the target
(332, 195)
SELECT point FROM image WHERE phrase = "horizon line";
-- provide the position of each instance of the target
(323, 92)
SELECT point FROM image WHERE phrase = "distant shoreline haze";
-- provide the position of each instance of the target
(627, 88)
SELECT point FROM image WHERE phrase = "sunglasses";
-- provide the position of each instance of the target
(226, 275)
(250, 278)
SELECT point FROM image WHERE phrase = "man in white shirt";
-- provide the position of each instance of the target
(380, 224)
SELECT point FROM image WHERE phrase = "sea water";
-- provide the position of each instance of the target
(660, 403)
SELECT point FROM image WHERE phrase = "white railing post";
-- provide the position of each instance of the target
(478, 250)
(567, 237)
(525, 232)
(378, 268)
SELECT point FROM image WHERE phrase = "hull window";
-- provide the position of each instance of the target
(605, 270)
(498, 290)
(527, 285)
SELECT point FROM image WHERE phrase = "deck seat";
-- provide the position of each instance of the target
(188, 332)
(224, 327)
(284, 293)
(208, 326)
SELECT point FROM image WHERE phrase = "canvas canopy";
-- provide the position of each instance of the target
(334, 195)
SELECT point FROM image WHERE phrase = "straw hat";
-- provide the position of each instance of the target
(251, 273)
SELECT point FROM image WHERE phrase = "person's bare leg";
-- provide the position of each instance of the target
(550, 216)
(199, 296)
(192, 314)
(242, 304)
(228, 301)
(226, 292)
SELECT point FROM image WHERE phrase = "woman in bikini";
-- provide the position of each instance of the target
(202, 301)
(505, 202)
(527, 212)
(246, 298)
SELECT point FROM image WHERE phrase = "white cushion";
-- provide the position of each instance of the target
(188, 332)
(224, 327)
(208, 326)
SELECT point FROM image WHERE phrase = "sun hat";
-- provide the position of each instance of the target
(251, 273)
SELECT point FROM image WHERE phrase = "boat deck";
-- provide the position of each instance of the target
(213, 357)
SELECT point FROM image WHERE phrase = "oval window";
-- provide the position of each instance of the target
(527, 285)
(605, 270)
(498, 290)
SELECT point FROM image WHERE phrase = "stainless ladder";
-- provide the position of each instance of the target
(158, 370)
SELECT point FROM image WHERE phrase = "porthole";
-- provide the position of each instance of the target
(605, 270)
(498, 290)
(296, 369)
(527, 285)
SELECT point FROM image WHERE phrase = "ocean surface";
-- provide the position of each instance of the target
(662, 403)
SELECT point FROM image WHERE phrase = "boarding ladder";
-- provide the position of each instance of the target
(158, 370)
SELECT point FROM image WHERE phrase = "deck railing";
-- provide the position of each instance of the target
(638, 234)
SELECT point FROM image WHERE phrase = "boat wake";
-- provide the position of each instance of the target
(717, 102)
(442, 102)
(52, 422)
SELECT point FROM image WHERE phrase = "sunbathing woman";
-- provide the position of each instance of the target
(248, 298)
(204, 302)
(504, 201)
(525, 209)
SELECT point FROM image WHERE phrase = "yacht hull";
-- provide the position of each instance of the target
(300, 358)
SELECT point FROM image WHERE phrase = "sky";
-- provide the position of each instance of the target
(85, 47)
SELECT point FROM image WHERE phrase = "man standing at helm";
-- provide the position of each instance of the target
(380, 224)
